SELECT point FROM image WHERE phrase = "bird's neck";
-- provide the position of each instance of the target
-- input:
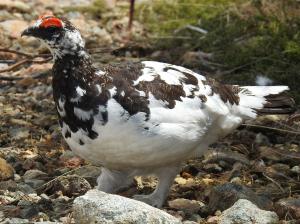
(76, 52)
(75, 66)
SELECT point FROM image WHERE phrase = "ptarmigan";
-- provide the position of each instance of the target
(142, 118)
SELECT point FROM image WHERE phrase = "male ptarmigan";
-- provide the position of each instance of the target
(142, 118)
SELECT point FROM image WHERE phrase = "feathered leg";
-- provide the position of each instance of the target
(165, 177)
(111, 181)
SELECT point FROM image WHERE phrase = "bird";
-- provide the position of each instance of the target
(142, 118)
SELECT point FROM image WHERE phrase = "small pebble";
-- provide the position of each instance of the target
(236, 180)
(190, 206)
(296, 169)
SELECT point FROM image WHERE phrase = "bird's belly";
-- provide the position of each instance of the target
(125, 147)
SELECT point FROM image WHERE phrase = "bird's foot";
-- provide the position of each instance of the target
(150, 199)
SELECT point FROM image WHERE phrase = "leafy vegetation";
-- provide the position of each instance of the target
(248, 38)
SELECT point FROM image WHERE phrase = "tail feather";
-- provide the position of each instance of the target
(280, 103)
(256, 100)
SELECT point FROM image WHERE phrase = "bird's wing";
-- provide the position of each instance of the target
(169, 99)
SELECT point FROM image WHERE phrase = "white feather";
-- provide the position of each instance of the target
(82, 114)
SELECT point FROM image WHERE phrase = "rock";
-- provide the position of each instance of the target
(224, 196)
(196, 218)
(213, 219)
(99, 207)
(18, 133)
(190, 222)
(35, 178)
(236, 180)
(244, 212)
(90, 173)
(296, 169)
(189, 206)
(180, 180)
(6, 170)
(289, 206)
(261, 139)
(14, 27)
(34, 174)
(17, 177)
(69, 185)
(9, 185)
(29, 212)
(34, 183)
(212, 168)
(27, 189)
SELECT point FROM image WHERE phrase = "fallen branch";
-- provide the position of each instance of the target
(22, 62)
(29, 59)
(34, 76)
(213, 156)
(270, 128)
(273, 181)
(28, 55)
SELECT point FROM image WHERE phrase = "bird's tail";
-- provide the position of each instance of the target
(255, 100)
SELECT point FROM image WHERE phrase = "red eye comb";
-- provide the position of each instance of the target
(50, 20)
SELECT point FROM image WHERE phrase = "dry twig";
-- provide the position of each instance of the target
(270, 128)
(30, 58)
(273, 181)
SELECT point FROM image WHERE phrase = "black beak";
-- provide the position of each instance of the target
(30, 31)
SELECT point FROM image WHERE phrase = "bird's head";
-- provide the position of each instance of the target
(59, 34)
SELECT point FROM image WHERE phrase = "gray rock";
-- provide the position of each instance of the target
(29, 212)
(296, 169)
(34, 178)
(34, 174)
(27, 189)
(189, 206)
(196, 218)
(34, 183)
(99, 207)
(224, 196)
(244, 212)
